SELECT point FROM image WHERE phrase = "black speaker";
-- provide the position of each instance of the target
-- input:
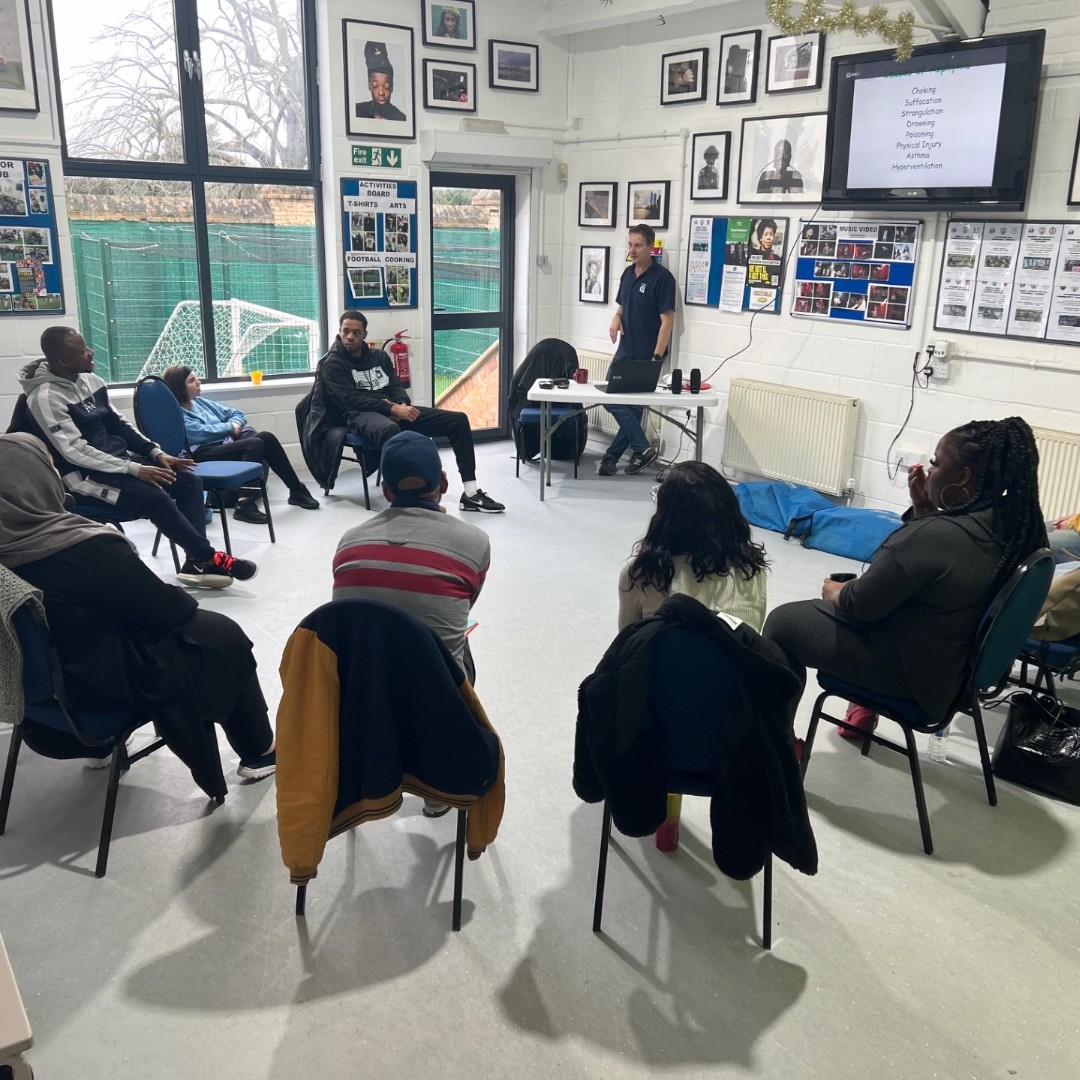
(676, 381)
(695, 380)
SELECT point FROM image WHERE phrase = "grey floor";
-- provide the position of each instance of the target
(187, 960)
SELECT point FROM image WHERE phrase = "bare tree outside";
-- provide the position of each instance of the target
(120, 82)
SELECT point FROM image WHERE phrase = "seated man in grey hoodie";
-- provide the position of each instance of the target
(103, 460)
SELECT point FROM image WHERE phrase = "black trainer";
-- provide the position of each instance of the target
(248, 510)
(303, 498)
(642, 460)
(218, 573)
(482, 503)
(608, 466)
(258, 768)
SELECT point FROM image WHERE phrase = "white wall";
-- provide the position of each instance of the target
(615, 89)
(611, 81)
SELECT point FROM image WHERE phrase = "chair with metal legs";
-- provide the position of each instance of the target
(999, 640)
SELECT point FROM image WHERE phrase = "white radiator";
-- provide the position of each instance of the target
(1059, 472)
(597, 364)
(786, 433)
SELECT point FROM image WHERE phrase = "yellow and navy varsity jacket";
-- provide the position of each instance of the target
(374, 706)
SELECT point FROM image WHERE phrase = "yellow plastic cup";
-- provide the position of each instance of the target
(256, 377)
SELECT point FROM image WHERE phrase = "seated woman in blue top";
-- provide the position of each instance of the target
(218, 433)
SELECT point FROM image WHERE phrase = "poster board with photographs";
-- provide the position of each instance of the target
(859, 271)
(379, 98)
(1017, 279)
(30, 278)
(736, 263)
(378, 228)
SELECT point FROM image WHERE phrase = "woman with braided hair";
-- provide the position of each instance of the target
(905, 627)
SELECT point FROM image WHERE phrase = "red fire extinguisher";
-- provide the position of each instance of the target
(399, 354)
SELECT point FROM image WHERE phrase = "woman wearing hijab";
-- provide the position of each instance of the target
(124, 636)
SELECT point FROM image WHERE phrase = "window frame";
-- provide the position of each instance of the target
(197, 170)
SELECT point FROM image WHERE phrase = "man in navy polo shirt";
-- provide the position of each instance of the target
(644, 316)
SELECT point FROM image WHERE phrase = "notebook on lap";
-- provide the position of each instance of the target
(631, 377)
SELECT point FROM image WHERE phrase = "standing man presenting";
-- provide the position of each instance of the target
(644, 316)
(363, 386)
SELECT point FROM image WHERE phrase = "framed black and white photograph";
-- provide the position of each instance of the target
(709, 155)
(782, 159)
(684, 76)
(1074, 177)
(794, 63)
(738, 78)
(18, 79)
(449, 26)
(513, 65)
(593, 283)
(379, 101)
(449, 85)
(647, 203)
(598, 205)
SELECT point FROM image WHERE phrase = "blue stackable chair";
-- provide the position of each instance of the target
(46, 703)
(1050, 659)
(999, 640)
(159, 416)
(690, 709)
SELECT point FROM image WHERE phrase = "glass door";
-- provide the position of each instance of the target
(472, 258)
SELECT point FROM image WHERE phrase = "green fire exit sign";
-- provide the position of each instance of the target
(377, 157)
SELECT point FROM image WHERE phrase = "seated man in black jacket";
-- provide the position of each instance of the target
(362, 383)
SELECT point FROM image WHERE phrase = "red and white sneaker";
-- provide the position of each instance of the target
(218, 573)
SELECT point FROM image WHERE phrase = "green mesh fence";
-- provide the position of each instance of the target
(131, 275)
(467, 279)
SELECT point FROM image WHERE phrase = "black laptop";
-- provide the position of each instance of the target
(631, 377)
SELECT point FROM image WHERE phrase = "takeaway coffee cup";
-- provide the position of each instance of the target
(581, 375)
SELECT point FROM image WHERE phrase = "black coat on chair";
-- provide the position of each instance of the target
(551, 358)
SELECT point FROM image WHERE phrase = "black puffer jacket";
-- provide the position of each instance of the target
(551, 358)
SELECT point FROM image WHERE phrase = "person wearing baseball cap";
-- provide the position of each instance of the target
(414, 555)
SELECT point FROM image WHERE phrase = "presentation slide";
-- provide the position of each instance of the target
(932, 129)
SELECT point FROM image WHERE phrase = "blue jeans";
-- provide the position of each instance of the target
(631, 434)
(1065, 544)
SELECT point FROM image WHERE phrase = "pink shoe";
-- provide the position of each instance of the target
(858, 717)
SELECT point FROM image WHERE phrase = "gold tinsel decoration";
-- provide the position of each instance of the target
(874, 21)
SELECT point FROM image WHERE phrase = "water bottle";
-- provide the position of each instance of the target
(939, 745)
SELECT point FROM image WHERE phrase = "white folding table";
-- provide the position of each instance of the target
(660, 402)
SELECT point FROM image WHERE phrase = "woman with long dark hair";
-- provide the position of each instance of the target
(218, 433)
(905, 627)
(697, 543)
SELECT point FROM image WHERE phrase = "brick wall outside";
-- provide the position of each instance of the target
(477, 392)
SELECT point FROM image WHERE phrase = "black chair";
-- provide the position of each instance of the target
(551, 358)
(359, 444)
(394, 720)
(46, 703)
(691, 713)
(999, 640)
(1050, 659)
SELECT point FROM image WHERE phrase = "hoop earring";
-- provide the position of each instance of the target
(945, 504)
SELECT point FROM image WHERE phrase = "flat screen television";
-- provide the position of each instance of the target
(951, 128)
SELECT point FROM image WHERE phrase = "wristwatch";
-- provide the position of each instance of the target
(657, 357)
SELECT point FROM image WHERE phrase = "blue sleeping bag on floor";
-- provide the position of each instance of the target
(801, 512)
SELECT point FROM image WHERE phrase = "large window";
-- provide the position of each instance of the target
(189, 141)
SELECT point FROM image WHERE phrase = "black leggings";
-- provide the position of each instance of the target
(263, 446)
